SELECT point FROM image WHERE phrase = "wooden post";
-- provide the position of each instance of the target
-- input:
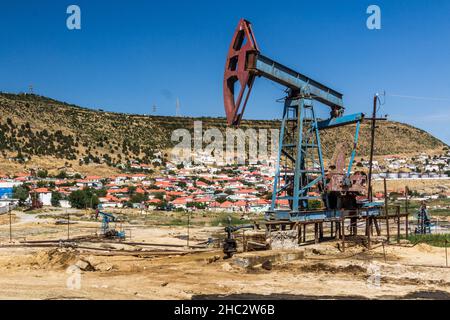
(338, 229)
(446, 256)
(406, 199)
(377, 226)
(369, 232)
(398, 224)
(10, 222)
(68, 225)
(321, 231)
(407, 225)
(331, 229)
(188, 228)
(304, 233)
(299, 233)
(343, 230)
(386, 210)
(316, 233)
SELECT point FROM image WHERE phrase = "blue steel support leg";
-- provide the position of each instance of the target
(298, 163)
(319, 150)
(278, 165)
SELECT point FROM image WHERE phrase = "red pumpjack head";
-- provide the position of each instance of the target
(243, 43)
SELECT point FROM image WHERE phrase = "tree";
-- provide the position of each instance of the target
(21, 193)
(138, 198)
(56, 197)
(131, 190)
(159, 195)
(85, 198)
(61, 175)
(42, 174)
(196, 205)
(41, 184)
(182, 184)
(101, 193)
(221, 199)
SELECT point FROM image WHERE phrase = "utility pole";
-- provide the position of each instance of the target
(446, 253)
(189, 226)
(386, 209)
(10, 222)
(372, 146)
(68, 225)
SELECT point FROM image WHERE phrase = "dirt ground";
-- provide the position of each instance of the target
(431, 186)
(129, 271)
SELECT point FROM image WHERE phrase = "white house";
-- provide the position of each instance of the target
(44, 196)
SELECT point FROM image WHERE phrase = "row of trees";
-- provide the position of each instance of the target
(81, 199)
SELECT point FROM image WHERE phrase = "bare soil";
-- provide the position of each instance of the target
(124, 271)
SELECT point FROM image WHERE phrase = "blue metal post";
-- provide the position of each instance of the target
(299, 159)
(280, 148)
(319, 146)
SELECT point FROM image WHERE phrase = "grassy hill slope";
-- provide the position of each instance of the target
(54, 133)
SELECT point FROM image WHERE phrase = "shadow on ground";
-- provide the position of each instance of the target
(424, 295)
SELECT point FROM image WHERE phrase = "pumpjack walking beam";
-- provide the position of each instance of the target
(245, 63)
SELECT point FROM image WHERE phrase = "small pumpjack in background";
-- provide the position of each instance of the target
(300, 176)
(106, 230)
(423, 220)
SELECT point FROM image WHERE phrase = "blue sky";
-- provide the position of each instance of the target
(131, 55)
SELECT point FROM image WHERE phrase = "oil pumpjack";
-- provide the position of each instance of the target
(300, 174)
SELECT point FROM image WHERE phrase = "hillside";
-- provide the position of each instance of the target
(56, 134)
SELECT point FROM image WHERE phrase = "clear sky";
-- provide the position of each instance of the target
(130, 55)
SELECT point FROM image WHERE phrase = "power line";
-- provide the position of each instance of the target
(418, 98)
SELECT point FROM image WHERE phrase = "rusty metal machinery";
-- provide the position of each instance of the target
(230, 243)
(300, 173)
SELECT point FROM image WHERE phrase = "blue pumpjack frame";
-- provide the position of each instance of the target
(300, 179)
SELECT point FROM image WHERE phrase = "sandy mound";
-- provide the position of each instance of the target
(55, 258)
(423, 247)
